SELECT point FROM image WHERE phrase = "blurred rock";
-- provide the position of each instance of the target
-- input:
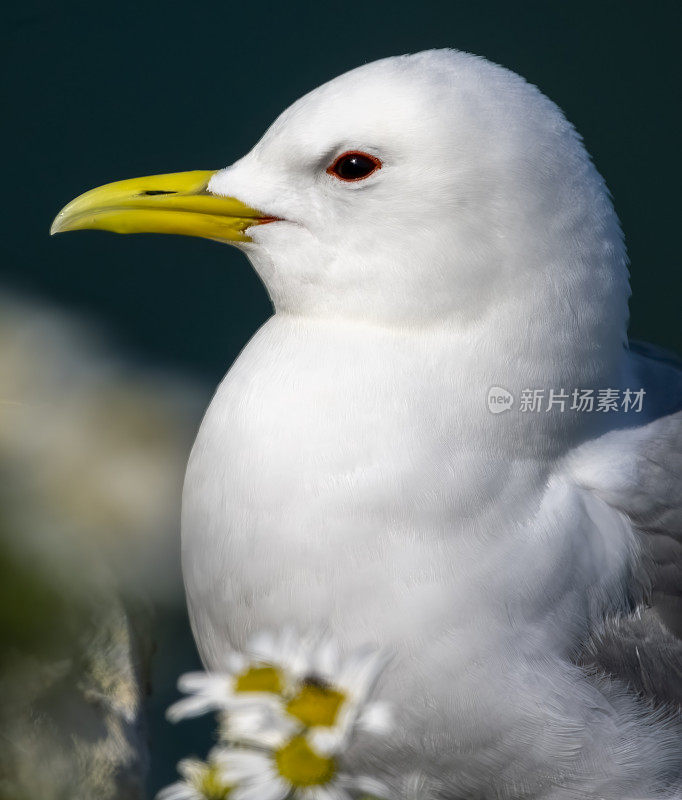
(92, 453)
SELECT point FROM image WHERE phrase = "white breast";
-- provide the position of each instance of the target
(329, 486)
(347, 479)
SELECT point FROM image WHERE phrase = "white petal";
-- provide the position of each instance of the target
(326, 741)
(190, 707)
(273, 789)
(191, 769)
(217, 754)
(376, 718)
(263, 725)
(307, 793)
(178, 791)
(252, 700)
(238, 765)
(326, 660)
(262, 646)
(235, 662)
(296, 653)
(193, 682)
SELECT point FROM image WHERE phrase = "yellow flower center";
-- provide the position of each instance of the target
(259, 679)
(299, 764)
(211, 786)
(316, 705)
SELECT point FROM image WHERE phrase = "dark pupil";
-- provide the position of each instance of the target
(355, 166)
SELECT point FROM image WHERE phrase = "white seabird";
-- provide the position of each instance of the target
(436, 228)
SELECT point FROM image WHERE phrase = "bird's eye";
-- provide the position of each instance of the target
(354, 166)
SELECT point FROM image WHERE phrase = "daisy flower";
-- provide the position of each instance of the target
(257, 676)
(261, 726)
(329, 703)
(201, 780)
(332, 701)
(294, 771)
(307, 681)
(288, 711)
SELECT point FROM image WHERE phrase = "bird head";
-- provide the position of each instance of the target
(420, 189)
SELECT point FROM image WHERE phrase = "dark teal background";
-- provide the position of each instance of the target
(94, 92)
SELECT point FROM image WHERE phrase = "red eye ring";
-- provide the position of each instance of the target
(354, 165)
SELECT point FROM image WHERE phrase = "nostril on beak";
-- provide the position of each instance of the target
(156, 191)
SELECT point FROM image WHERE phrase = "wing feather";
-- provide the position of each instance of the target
(637, 471)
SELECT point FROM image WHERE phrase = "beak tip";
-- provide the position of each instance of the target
(58, 224)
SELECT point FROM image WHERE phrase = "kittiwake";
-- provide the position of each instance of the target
(435, 242)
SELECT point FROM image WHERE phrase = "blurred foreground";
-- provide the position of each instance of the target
(92, 454)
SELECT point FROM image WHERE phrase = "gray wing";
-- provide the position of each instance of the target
(637, 471)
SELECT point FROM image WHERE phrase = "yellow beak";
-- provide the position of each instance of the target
(174, 203)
